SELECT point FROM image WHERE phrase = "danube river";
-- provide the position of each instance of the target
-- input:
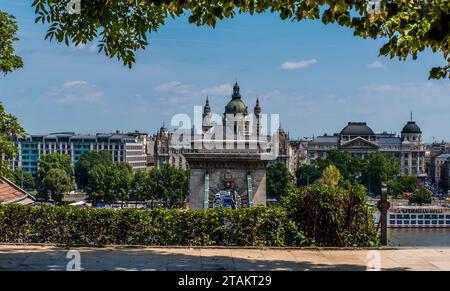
(408, 237)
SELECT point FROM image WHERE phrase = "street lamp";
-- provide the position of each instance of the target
(383, 205)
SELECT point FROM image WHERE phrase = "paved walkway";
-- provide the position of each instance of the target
(30, 257)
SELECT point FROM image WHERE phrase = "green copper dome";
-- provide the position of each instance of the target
(236, 105)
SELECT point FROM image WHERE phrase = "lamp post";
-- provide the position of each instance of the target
(383, 205)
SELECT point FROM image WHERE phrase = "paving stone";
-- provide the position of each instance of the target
(37, 258)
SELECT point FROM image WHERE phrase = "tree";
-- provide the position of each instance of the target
(121, 26)
(102, 182)
(420, 196)
(54, 184)
(330, 176)
(403, 184)
(378, 168)
(124, 181)
(306, 175)
(23, 179)
(10, 129)
(86, 162)
(156, 185)
(173, 185)
(277, 181)
(109, 183)
(55, 161)
(8, 29)
(348, 165)
(332, 215)
(141, 186)
(408, 183)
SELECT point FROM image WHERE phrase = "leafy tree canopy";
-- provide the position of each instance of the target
(23, 179)
(306, 175)
(174, 185)
(109, 182)
(332, 215)
(121, 26)
(54, 184)
(403, 184)
(278, 180)
(330, 176)
(10, 129)
(379, 168)
(55, 161)
(348, 165)
(8, 29)
(420, 196)
(371, 171)
(141, 185)
(86, 162)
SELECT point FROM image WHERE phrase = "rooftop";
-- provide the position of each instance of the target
(11, 193)
(411, 127)
(357, 128)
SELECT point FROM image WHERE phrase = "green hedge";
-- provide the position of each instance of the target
(260, 226)
(332, 215)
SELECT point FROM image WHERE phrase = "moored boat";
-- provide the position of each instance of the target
(419, 216)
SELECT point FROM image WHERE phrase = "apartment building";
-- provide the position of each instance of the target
(124, 147)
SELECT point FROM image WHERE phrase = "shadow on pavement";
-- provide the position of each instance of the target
(177, 259)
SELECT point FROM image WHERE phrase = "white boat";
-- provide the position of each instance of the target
(419, 216)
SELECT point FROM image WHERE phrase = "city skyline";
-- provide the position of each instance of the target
(316, 77)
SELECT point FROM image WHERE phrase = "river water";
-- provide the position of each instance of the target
(431, 237)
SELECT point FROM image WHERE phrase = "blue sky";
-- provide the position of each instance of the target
(316, 77)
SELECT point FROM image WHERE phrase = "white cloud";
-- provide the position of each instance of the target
(179, 88)
(80, 46)
(376, 65)
(83, 47)
(218, 90)
(414, 92)
(298, 65)
(73, 92)
(175, 87)
(93, 48)
(71, 84)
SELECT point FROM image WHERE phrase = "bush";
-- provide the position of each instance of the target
(260, 226)
(320, 214)
(331, 215)
(420, 196)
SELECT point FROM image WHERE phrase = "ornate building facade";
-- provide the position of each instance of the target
(291, 153)
(359, 139)
(165, 153)
(226, 163)
(229, 155)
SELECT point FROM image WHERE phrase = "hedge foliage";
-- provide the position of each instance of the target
(331, 215)
(260, 226)
(319, 215)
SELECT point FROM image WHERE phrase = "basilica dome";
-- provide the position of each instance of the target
(236, 105)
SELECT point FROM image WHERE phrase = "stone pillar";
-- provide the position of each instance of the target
(259, 187)
(196, 183)
(423, 163)
(410, 163)
(402, 162)
(206, 192)
(418, 161)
